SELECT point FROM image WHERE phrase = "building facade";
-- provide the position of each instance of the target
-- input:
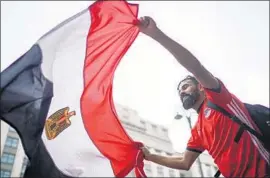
(155, 137)
(13, 159)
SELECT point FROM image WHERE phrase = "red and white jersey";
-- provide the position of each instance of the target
(215, 133)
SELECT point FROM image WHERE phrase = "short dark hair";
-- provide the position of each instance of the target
(189, 77)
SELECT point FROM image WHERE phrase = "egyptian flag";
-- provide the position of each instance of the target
(58, 96)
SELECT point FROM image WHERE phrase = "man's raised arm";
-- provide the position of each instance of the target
(184, 57)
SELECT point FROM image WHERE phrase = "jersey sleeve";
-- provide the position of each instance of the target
(195, 144)
(220, 96)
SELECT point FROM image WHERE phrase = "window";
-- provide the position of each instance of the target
(142, 122)
(12, 142)
(154, 127)
(5, 173)
(171, 173)
(165, 131)
(160, 171)
(7, 158)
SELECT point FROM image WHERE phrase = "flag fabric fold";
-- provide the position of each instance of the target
(58, 96)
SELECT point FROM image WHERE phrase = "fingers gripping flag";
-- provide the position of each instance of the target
(58, 96)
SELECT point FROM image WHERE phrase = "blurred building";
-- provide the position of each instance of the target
(13, 159)
(155, 137)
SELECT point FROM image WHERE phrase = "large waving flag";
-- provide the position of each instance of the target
(58, 96)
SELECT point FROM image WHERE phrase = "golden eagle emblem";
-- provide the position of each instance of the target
(58, 122)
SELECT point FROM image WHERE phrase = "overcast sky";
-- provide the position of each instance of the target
(230, 38)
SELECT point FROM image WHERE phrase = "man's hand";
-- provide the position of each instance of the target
(148, 26)
(146, 153)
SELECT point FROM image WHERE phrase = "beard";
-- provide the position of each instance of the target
(189, 100)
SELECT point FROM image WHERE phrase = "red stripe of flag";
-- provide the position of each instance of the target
(111, 34)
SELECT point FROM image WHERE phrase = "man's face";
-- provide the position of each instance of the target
(189, 93)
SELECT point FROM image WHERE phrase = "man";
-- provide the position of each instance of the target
(213, 131)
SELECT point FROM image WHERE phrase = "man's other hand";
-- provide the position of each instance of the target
(148, 26)
(146, 153)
